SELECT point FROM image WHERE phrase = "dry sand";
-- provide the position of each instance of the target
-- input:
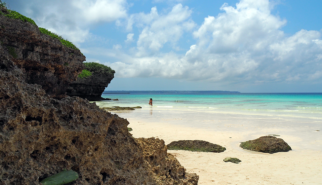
(299, 166)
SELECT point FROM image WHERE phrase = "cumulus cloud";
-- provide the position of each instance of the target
(158, 30)
(243, 43)
(72, 18)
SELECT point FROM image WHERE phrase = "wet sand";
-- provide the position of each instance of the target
(302, 165)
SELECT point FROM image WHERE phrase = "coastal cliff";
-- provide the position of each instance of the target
(45, 60)
(92, 86)
(43, 131)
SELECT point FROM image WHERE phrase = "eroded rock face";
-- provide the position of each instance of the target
(44, 60)
(266, 144)
(91, 87)
(165, 167)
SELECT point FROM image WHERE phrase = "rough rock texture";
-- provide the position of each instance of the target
(195, 145)
(41, 136)
(91, 87)
(43, 59)
(165, 167)
(266, 144)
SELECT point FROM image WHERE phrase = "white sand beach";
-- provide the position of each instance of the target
(302, 165)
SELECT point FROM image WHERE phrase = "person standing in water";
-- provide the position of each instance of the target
(150, 102)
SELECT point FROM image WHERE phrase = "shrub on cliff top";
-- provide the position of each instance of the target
(98, 68)
(15, 15)
(84, 74)
(55, 36)
(3, 4)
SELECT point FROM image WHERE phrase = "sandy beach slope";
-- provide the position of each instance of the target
(299, 166)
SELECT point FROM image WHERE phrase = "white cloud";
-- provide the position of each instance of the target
(129, 37)
(158, 30)
(73, 18)
(243, 44)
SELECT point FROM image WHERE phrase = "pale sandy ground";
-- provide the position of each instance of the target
(295, 167)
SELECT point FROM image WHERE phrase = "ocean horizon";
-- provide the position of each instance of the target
(289, 104)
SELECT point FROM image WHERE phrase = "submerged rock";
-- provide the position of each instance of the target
(266, 144)
(117, 108)
(232, 159)
(195, 145)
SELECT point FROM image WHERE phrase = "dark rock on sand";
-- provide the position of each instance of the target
(117, 108)
(195, 145)
(232, 159)
(266, 144)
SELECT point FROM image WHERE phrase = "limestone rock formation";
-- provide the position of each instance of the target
(195, 145)
(93, 86)
(166, 169)
(41, 136)
(43, 59)
(266, 144)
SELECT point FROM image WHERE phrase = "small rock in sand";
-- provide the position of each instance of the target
(232, 159)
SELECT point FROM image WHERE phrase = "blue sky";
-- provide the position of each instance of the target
(239, 45)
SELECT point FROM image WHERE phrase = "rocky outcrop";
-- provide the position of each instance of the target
(93, 86)
(41, 136)
(44, 60)
(195, 145)
(266, 144)
(166, 169)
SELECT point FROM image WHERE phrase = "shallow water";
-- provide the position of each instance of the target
(297, 118)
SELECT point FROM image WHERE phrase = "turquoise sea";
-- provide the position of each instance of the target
(296, 104)
(296, 117)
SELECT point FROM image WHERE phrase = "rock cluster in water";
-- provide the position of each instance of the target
(43, 131)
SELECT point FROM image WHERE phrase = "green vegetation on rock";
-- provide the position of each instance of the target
(61, 178)
(129, 129)
(84, 74)
(98, 68)
(3, 4)
(15, 15)
(55, 36)
(12, 51)
(195, 145)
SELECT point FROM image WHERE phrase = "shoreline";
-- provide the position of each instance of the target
(301, 165)
(293, 167)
